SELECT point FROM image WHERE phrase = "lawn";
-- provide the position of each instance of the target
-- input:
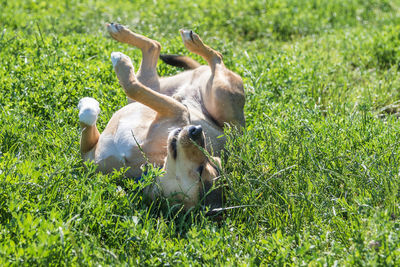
(314, 176)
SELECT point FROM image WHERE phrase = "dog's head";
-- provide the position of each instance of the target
(191, 177)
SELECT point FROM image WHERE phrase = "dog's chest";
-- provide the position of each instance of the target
(122, 143)
(134, 135)
(126, 139)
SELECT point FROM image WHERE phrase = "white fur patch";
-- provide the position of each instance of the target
(185, 35)
(113, 28)
(115, 57)
(88, 110)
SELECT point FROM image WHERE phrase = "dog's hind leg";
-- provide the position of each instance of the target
(88, 112)
(147, 73)
(195, 45)
(164, 105)
(223, 96)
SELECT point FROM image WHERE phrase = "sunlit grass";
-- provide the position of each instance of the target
(313, 176)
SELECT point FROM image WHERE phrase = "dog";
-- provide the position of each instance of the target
(168, 121)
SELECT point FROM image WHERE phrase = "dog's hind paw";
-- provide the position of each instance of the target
(88, 110)
(113, 27)
(118, 32)
(191, 40)
(194, 44)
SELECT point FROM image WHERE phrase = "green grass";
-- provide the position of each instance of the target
(315, 171)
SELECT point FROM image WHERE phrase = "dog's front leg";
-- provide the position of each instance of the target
(88, 112)
(165, 106)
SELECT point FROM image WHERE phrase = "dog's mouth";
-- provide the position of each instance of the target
(185, 137)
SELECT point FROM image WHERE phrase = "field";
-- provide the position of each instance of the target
(314, 176)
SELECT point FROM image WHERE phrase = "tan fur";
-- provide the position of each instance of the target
(210, 96)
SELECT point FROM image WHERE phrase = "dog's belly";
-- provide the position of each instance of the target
(183, 83)
(186, 87)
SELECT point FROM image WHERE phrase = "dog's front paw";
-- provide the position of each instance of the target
(124, 69)
(88, 110)
(117, 57)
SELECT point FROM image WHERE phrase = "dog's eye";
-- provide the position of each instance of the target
(200, 170)
(173, 148)
(173, 143)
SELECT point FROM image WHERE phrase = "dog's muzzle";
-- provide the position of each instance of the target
(195, 132)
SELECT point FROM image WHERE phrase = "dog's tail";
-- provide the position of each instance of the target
(180, 61)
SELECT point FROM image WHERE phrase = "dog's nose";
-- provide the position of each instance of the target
(195, 131)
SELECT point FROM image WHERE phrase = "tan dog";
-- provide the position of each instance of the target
(160, 118)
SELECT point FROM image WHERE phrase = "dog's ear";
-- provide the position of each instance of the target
(211, 170)
(213, 195)
(217, 162)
